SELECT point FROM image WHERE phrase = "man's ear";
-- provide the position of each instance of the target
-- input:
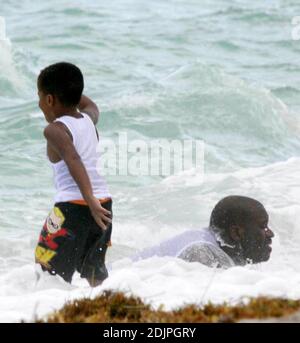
(236, 233)
(50, 100)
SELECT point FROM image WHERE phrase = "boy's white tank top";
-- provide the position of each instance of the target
(85, 141)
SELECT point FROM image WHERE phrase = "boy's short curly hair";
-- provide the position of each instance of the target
(63, 80)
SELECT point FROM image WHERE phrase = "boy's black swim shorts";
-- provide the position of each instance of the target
(72, 241)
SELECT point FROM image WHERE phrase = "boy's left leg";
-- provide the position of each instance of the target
(92, 264)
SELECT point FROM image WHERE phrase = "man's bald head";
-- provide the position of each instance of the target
(242, 223)
(234, 210)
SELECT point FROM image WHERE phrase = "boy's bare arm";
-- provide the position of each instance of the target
(62, 144)
(87, 106)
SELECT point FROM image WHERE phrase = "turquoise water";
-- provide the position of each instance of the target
(222, 72)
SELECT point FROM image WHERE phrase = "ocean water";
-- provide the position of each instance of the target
(222, 72)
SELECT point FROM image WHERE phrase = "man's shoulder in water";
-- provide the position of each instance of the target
(198, 245)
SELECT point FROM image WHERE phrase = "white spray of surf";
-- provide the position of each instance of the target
(9, 75)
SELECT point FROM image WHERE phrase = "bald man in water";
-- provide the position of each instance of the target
(238, 234)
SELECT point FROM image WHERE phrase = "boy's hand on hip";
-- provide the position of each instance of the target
(100, 214)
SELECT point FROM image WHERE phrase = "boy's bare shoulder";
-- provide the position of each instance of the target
(56, 131)
(59, 142)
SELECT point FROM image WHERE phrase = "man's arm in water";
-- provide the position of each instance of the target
(62, 144)
(87, 106)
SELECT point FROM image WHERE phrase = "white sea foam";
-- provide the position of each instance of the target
(8, 71)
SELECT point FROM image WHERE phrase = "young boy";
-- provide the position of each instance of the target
(77, 231)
